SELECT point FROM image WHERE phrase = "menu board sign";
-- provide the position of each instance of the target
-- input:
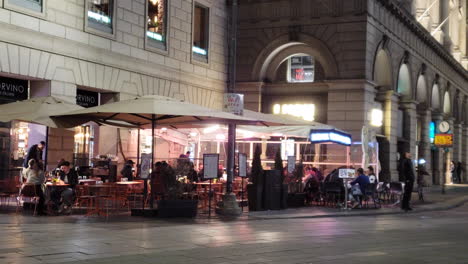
(242, 165)
(13, 89)
(346, 173)
(210, 166)
(145, 165)
(291, 164)
(234, 103)
(87, 98)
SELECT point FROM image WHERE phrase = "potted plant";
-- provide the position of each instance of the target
(172, 204)
(296, 195)
(284, 187)
(255, 187)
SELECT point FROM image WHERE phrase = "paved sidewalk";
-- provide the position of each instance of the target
(434, 200)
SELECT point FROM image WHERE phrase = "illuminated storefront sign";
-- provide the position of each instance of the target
(443, 140)
(13, 89)
(87, 98)
(305, 111)
(322, 136)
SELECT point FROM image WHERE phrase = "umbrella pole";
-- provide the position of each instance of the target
(138, 155)
(46, 147)
(153, 124)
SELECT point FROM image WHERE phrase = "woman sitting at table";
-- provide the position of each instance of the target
(34, 175)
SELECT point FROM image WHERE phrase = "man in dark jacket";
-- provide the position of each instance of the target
(127, 171)
(68, 176)
(35, 153)
(407, 174)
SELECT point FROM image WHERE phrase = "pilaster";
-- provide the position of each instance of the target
(409, 131)
(464, 159)
(424, 146)
(437, 162)
(252, 92)
(388, 157)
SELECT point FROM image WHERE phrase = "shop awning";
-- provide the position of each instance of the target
(165, 111)
(38, 110)
(288, 131)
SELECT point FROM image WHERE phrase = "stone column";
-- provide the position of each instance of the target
(435, 14)
(464, 155)
(462, 29)
(424, 150)
(389, 160)
(349, 105)
(449, 156)
(444, 14)
(457, 142)
(252, 92)
(409, 131)
(437, 161)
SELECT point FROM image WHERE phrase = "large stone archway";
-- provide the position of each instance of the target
(269, 59)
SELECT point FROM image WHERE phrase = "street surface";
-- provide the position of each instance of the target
(430, 237)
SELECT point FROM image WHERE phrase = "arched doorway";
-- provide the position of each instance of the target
(382, 76)
(406, 112)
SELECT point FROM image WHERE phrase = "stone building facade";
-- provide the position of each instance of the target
(368, 54)
(59, 49)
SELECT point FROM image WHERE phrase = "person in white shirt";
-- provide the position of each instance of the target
(371, 174)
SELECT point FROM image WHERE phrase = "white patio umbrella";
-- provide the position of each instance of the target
(39, 110)
(150, 110)
(165, 111)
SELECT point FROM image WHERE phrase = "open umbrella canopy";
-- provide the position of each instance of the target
(275, 120)
(166, 111)
(38, 110)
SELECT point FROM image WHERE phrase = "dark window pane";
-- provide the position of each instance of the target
(200, 30)
(100, 14)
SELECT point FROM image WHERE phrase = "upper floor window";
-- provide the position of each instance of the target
(100, 15)
(301, 68)
(200, 33)
(156, 23)
(34, 5)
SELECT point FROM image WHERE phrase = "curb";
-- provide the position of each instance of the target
(454, 203)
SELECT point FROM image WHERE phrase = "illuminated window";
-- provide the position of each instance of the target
(301, 69)
(156, 23)
(200, 33)
(34, 5)
(100, 15)
(84, 145)
(304, 111)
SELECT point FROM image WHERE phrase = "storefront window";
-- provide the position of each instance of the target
(19, 142)
(84, 145)
(156, 23)
(100, 15)
(34, 5)
(200, 32)
(301, 69)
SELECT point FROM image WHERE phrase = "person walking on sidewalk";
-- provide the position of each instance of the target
(407, 173)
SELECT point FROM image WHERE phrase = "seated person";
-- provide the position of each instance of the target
(34, 175)
(64, 199)
(371, 174)
(127, 171)
(363, 181)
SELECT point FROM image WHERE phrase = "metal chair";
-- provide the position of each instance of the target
(370, 192)
(29, 191)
